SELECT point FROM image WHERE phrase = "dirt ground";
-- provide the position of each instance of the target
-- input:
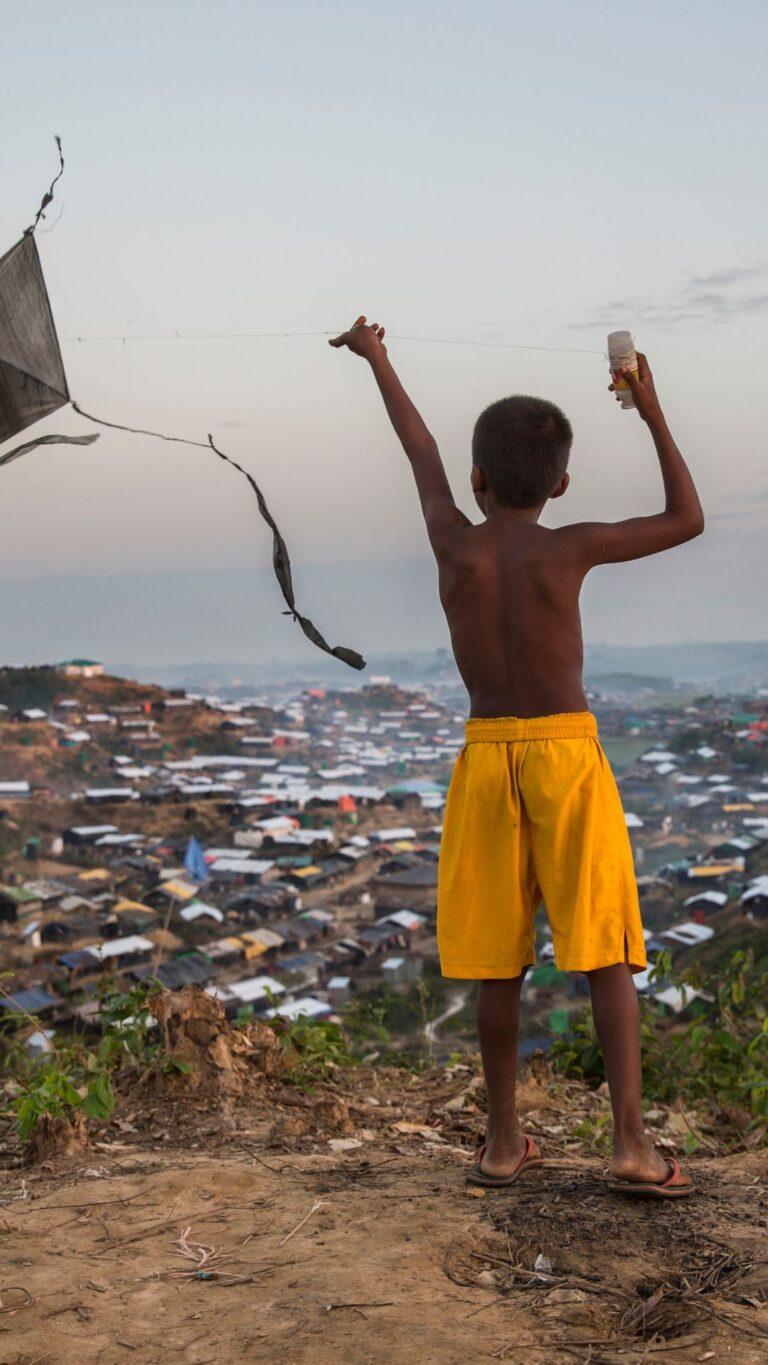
(237, 1211)
(373, 1255)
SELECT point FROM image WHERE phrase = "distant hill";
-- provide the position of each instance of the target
(732, 664)
(622, 670)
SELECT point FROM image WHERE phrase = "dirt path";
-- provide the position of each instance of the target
(456, 1002)
(373, 1257)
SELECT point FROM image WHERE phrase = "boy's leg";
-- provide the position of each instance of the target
(616, 1012)
(498, 1017)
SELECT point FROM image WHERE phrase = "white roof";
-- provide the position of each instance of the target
(759, 887)
(407, 918)
(386, 836)
(392, 963)
(107, 793)
(713, 897)
(117, 947)
(255, 988)
(243, 866)
(338, 983)
(14, 788)
(659, 756)
(305, 836)
(199, 908)
(115, 840)
(306, 1005)
(94, 829)
(633, 821)
(689, 933)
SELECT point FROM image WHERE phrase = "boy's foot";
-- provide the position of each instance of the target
(675, 1185)
(499, 1173)
(638, 1161)
(641, 1170)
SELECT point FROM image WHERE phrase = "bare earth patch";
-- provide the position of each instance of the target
(374, 1254)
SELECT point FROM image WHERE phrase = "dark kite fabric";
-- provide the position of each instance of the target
(32, 379)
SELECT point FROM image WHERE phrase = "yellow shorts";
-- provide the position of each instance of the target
(534, 814)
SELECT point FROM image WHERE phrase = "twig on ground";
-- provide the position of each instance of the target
(15, 1289)
(318, 1204)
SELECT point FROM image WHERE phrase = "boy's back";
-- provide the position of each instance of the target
(510, 592)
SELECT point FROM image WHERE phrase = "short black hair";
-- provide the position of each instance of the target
(522, 445)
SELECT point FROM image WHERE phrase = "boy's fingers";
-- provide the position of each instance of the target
(360, 322)
(381, 333)
(632, 377)
(643, 366)
(338, 341)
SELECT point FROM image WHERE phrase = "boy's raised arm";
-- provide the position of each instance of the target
(440, 511)
(682, 519)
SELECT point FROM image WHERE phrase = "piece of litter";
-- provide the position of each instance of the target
(456, 1103)
(344, 1144)
(566, 1295)
(544, 1265)
(475, 1192)
(487, 1279)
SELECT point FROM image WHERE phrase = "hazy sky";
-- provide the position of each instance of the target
(503, 172)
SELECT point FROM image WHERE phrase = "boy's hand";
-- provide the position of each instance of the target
(362, 339)
(643, 390)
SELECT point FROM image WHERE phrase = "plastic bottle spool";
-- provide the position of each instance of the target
(621, 355)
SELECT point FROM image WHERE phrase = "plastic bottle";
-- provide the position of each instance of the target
(621, 355)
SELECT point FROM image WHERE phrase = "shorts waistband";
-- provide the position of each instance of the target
(509, 729)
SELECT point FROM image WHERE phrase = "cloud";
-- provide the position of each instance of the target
(720, 296)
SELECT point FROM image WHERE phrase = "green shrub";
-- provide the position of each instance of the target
(721, 1057)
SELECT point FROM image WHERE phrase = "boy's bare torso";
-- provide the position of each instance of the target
(510, 587)
(511, 600)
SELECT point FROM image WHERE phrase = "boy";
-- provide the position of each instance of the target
(533, 811)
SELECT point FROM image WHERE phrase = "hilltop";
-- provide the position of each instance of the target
(235, 1214)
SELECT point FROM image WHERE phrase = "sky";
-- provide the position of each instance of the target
(507, 173)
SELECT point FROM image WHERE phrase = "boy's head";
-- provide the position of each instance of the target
(520, 450)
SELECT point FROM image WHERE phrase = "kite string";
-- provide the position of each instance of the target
(280, 558)
(141, 431)
(48, 196)
(249, 336)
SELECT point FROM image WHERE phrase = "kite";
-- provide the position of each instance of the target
(33, 385)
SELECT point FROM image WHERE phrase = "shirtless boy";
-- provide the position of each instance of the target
(533, 812)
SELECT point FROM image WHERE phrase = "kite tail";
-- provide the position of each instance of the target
(282, 566)
(24, 449)
(280, 558)
(48, 196)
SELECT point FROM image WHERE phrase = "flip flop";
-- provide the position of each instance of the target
(477, 1176)
(676, 1185)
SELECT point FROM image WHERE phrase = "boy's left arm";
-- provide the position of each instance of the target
(440, 511)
